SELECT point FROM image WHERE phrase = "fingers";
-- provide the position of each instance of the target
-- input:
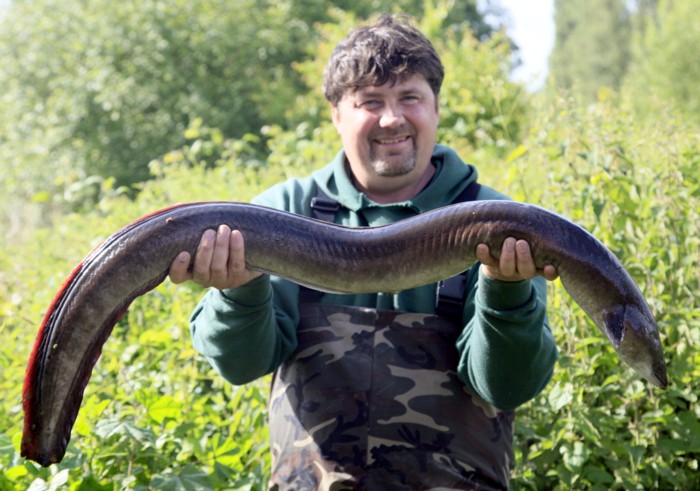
(524, 264)
(219, 261)
(214, 257)
(219, 273)
(238, 272)
(237, 264)
(508, 258)
(550, 272)
(201, 269)
(483, 255)
(179, 269)
(515, 262)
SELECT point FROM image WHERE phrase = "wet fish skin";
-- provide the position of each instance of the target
(403, 255)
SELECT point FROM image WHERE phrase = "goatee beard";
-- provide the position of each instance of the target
(389, 165)
(388, 168)
(392, 169)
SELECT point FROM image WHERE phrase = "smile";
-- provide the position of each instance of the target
(390, 141)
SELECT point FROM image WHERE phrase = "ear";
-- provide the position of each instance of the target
(335, 113)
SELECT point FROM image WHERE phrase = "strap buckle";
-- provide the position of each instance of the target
(324, 205)
(450, 296)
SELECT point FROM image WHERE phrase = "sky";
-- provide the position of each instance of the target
(531, 26)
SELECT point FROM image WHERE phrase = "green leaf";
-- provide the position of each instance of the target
(574, 455)
(560, 396)
(189, 478)
(598, 475)
(58, 480)
(38, 485)
(91, 484)
(113, 426)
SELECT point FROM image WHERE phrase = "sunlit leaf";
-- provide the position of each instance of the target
(188, 479)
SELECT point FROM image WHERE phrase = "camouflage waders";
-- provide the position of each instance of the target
(371, 400)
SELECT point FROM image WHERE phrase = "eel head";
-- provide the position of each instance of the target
(633, 333)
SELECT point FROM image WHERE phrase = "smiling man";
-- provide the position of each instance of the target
(388, 133)
(413, 390)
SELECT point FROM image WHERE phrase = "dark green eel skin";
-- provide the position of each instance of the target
(403, 255)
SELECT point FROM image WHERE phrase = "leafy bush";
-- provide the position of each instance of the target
(156, 417)
(665, 60)
(637, 188)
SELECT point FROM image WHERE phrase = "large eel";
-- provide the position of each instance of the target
(406, 254)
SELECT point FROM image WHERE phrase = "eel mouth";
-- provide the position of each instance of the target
(659, 377)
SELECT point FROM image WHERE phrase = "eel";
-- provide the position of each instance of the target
(406, 254)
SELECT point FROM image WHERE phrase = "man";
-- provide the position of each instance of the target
(376, 391)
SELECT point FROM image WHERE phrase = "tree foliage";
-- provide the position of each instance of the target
(94, 90)
(100, 88)
(592, 45)
(155, 415)
(666, 65)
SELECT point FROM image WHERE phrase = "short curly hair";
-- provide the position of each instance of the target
(391, 50)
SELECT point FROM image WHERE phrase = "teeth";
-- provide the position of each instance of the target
(393, 140)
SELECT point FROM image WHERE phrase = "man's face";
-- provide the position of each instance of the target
(388, 132)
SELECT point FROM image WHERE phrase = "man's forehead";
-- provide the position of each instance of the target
(413, 83)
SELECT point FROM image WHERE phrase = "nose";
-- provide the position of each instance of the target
(391, 117)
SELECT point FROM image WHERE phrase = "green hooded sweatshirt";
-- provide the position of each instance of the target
(507, 353)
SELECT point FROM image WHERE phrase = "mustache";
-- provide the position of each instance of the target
(400, 131)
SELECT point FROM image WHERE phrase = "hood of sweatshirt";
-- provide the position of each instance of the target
(451, 176)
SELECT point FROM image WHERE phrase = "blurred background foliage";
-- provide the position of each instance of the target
(110, 110)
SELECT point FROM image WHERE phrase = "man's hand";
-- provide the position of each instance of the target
(219, 261)
(515, 262)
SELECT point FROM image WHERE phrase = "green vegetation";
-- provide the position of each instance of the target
(592, 44)
(94, 90)
(155, 415)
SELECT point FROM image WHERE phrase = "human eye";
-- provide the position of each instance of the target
(369, 103)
